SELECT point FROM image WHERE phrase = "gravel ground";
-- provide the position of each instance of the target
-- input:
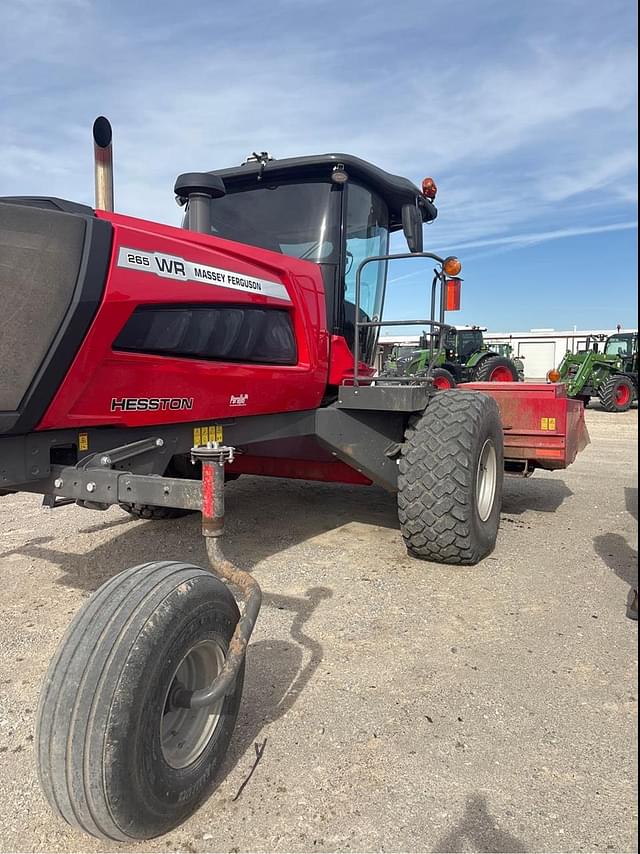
(405, 706)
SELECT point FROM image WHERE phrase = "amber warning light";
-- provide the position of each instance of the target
(451, 265)
(429, 188)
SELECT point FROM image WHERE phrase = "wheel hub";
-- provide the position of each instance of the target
(486, 479)
(622, 395)
(441, 383)
(185, 733)
(501, 375)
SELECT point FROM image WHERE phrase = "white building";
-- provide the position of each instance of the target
(542, 349)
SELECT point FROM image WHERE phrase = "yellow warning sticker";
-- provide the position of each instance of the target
(547, 423)
(83, 441)
(208, 433)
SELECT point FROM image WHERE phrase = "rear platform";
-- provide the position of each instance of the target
(543, 428)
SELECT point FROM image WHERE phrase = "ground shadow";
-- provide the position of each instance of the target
(254, 531)
(631, 500)
(275, 675)
(479, 828)
(594, 404)
(540, 493)
(616, 552)
(246, 544)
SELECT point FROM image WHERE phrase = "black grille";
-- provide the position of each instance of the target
(53, 263)
(40, 255)
(217, 333)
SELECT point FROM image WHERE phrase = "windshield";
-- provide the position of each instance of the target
(618, 345)
(293, 219)
(401, 352)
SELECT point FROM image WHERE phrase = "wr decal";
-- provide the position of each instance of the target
(173, 267)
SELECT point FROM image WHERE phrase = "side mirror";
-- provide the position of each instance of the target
(412, 227)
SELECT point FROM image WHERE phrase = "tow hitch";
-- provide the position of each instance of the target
(213, 458)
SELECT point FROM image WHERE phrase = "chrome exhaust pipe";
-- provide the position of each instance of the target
(103, 163)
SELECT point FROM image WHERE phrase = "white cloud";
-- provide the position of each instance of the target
(532, 238)
(535, 130)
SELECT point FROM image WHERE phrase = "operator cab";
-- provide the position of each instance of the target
(623, 344)
(461, 342)
(332, 209)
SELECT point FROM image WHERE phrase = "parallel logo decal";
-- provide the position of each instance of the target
(173, 267)
(150, 404)
(238, 399)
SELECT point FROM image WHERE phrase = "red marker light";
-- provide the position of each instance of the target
(454, 288)
(429, 188)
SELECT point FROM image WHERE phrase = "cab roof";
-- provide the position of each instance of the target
(394, 189)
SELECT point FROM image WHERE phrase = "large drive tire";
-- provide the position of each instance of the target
(496, 369)
(617, 393)
(154, 511)
(450, 479)
(114, 758)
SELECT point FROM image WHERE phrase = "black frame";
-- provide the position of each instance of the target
(362, 439)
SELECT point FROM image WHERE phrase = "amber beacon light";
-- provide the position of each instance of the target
(452, 266)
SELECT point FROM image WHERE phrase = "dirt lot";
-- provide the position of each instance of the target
(406, 706)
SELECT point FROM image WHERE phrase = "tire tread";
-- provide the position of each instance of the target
(486, 367)
(606, 393)
(91, 650)
(435, 489)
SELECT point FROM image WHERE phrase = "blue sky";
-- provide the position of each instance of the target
(524, 112)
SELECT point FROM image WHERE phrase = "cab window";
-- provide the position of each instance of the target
(469, 342)
(367, 235)
(618, 345)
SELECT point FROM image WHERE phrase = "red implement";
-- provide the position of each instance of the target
(542, 426)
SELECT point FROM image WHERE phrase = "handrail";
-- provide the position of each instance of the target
(364, 324)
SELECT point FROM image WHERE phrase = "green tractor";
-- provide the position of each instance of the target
(397, 358)
(612, 374)
(461, 356)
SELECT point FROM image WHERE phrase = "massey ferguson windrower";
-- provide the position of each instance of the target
(143, 364)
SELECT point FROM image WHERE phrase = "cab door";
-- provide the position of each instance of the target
(366, 234)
